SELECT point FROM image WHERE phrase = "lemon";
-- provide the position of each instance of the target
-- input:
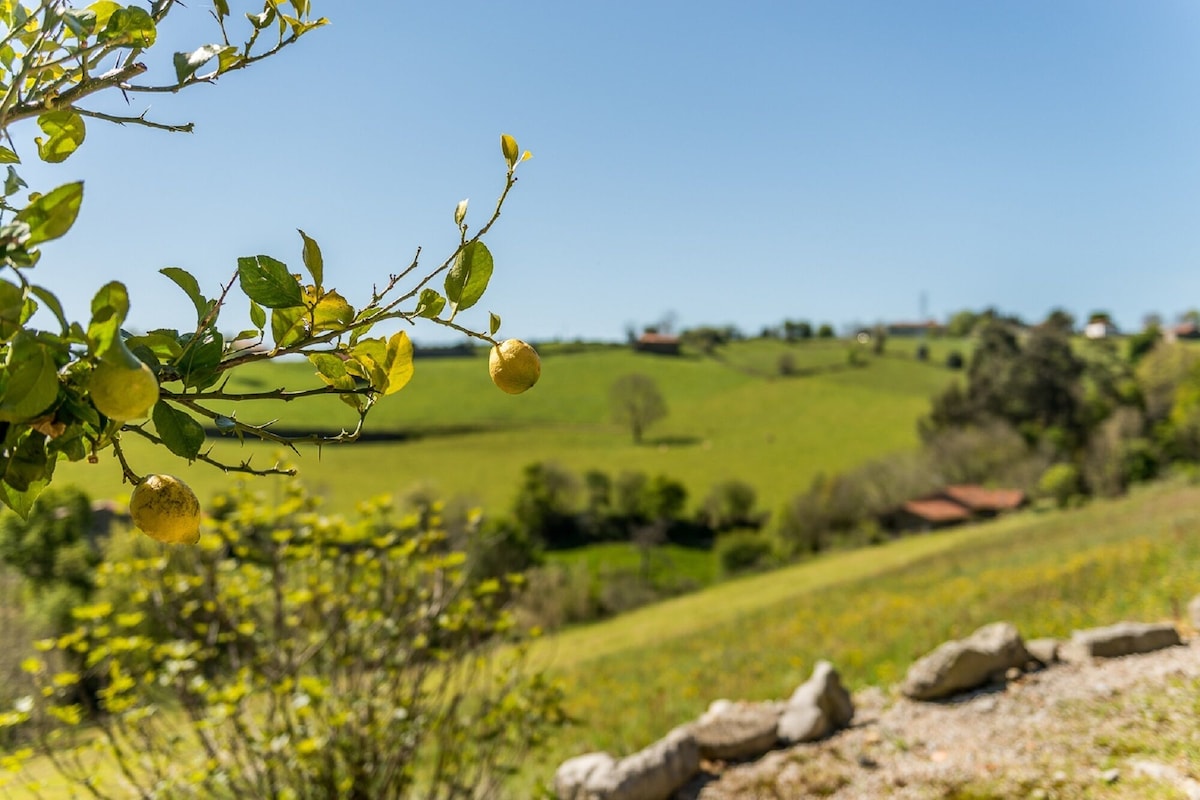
(122, 387)
(165, 508)
(514, 366)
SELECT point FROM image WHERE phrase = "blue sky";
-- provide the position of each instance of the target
(718, 162)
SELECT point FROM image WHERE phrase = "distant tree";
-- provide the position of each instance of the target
(801, 329)
(825, 331)
(545, 503)
(1061, 320)
(637, 402)
(1141, 343)
(1100, 316)
(878, 339)
(962, 323)
(1192, 315)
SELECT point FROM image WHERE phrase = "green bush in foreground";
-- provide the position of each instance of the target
(290, 654)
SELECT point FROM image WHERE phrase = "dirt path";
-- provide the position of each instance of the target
(1120, 728)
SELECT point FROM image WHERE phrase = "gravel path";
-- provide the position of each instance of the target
(1120, 728)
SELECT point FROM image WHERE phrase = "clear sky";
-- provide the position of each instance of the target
(721, 162)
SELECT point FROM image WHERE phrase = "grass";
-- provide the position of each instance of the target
(872, 612)
(725, 421)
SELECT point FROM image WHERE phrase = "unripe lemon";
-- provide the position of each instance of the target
(122, 391)
(165, 508)
(514, 366)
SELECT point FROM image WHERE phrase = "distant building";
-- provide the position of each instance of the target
(953, 505)
(1185, 331)
(1100, 329)
(659, 343)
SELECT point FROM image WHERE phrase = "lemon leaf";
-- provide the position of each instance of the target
(399, 363)
(182, 435)
(468, 277)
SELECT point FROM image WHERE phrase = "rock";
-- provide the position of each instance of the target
(571, 776)
(736, 731)
(1123, 639)
(654, 773)
(962, 664)
(1194, 612)
(1044, 651)
(1110, 775)
(818, 707)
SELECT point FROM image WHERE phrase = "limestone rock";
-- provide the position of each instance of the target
(1044, 651)
(654, 773)
(572, 775)
(1123, 639)
(736, 731)
(963, 664)
(818, 707)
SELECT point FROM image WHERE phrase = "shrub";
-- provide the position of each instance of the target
(954, 360)
(731, 504)
(328, 659)
(545, 505)
(742, 551)
(1061, 483)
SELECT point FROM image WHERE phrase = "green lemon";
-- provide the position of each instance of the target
(166, 509)
(121, 386)
(514, 366)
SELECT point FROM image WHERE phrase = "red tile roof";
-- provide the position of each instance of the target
(937, 510)
(977, 498)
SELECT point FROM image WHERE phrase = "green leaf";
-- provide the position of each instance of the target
(32, 379)
(368, 361)
(493, 323)
(332, 312)
(129, 27)
(430, 304)
(12, 310)
(165, 347)
(508, 146)
(313, 260)
(399, 362)
(64, 131)
(51, 301)
(191, 288)
(332, 370)
(222, 8)
(109, 308)
(186, 64)
(468, 277)
(13, 183)
(182, 435)
(258, 317)
(8, 156)
(268, 282)
(25, 472)
(81, 22)
(460, 212)
(289, 326)
(103, 9)
(198, 366)
(53, 214)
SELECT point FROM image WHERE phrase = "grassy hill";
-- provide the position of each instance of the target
(872, 612)
(730, 417)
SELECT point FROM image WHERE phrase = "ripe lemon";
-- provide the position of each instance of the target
(514, 366)
(165, 508)
(123, 389)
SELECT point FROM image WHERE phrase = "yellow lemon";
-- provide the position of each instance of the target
(514, 366)
(123, 388)
(165, 508)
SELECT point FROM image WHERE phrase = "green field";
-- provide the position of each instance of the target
(872, 612)
(728, 418)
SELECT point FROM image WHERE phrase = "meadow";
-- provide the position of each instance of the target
(454, 433)
(870, 611)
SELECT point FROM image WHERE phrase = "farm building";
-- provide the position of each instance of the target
(659, 343)
(953, 505)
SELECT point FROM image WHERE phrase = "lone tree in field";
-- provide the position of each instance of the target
(637, 402)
